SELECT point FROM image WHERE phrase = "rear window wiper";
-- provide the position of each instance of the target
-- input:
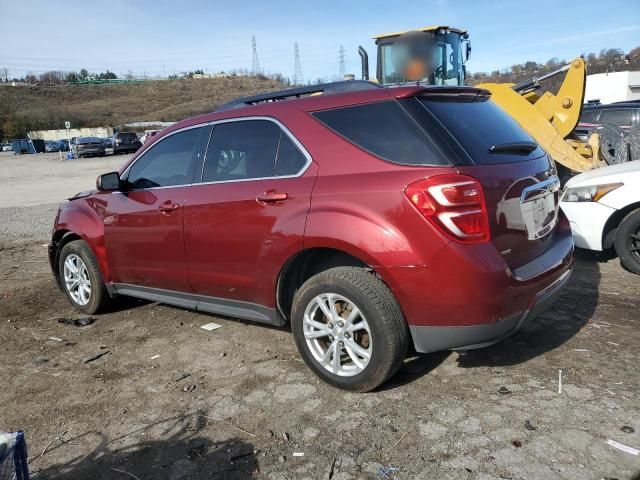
(518, 148)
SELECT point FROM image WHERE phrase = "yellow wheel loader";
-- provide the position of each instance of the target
(549, 118)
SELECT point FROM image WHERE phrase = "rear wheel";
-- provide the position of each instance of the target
(81, 278)
(627, 242)
(349, 328)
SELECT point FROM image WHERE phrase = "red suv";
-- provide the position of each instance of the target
(366, 217)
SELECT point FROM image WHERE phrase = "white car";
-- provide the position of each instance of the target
(603, 206)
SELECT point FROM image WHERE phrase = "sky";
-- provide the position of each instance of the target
(163, 37)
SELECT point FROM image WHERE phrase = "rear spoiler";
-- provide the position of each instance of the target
(446, 92)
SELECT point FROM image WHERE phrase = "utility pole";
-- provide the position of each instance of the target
(341, 56)
(298, 79)
(255, 63)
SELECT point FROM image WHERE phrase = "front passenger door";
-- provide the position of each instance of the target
(143, 225)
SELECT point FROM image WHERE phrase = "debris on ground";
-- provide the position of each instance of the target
(282, 459)
(155, 357)
(189, 388)
(181, 376)
(77, 322)
(210, 326)
(528, 424)
(627, 429)
(559, 382)
(624, 448)
(56, 339)
(95, 357)
(388, 473)
(504, 390)
(298, 454)
(285, 436)
(516, 443)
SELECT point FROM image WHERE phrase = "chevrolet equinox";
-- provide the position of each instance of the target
(368, 218)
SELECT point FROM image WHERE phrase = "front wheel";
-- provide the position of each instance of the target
(349, 328)
(627, 242)
(81, 278)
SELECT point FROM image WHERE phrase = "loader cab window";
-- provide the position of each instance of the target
(446, 59)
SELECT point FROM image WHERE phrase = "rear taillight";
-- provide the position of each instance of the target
(454, 203)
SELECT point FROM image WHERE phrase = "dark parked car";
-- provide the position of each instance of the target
(623, 115)
(52, 146)
(64, 145)
(125, 142)
(88, 147)
(367, 217)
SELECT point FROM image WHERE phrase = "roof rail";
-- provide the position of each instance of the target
(333, 87)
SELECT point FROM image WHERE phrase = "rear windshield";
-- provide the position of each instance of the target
(127, 135)
(386, 130)
(89, 140)
(478, 124)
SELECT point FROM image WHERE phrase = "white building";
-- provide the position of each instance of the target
(612, 87)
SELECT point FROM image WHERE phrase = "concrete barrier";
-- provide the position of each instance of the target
(101, 132)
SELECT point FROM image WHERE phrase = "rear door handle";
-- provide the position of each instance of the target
(271, 196)
(168, 207)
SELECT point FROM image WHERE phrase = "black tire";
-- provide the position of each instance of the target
(627, 242)
(389, 331)
(99, 296)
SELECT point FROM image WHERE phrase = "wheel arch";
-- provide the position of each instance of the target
(613, 222)
(306, 263)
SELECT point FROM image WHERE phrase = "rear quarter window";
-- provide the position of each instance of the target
(386, 130)
(477, 124)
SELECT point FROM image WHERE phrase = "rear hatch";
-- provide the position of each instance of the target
(518, 178)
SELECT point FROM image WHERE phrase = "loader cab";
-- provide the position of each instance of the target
(444, 50)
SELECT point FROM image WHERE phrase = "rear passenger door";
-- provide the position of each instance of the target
(247, 214)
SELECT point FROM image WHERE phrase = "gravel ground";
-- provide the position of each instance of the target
(169, 400)
(34, 185)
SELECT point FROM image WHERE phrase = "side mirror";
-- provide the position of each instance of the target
(467, 53)
(108, 182)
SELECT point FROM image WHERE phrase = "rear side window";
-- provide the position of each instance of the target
(478, 124)
(242, 150)
(619, 117)
(290, 159)
(384, 129)
(170, 162)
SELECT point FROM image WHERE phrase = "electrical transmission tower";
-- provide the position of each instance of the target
(341, 56)
(298, 79)
(255, 64)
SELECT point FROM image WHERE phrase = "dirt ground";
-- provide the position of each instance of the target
(169, 400)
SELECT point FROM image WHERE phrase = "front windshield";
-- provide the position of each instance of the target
(445, 59)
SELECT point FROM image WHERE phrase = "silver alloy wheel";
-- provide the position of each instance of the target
(76, 279)
(337, 334)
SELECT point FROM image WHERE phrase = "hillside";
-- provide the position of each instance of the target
(24, 108)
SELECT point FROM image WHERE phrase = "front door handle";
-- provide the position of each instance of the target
(271, 196)
(168, 207)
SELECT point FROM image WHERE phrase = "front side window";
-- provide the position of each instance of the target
(170, 162)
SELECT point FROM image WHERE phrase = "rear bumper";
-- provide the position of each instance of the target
(434, 338)
(127, 147)
(468, 296)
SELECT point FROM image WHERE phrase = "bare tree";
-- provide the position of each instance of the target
(4, 74)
